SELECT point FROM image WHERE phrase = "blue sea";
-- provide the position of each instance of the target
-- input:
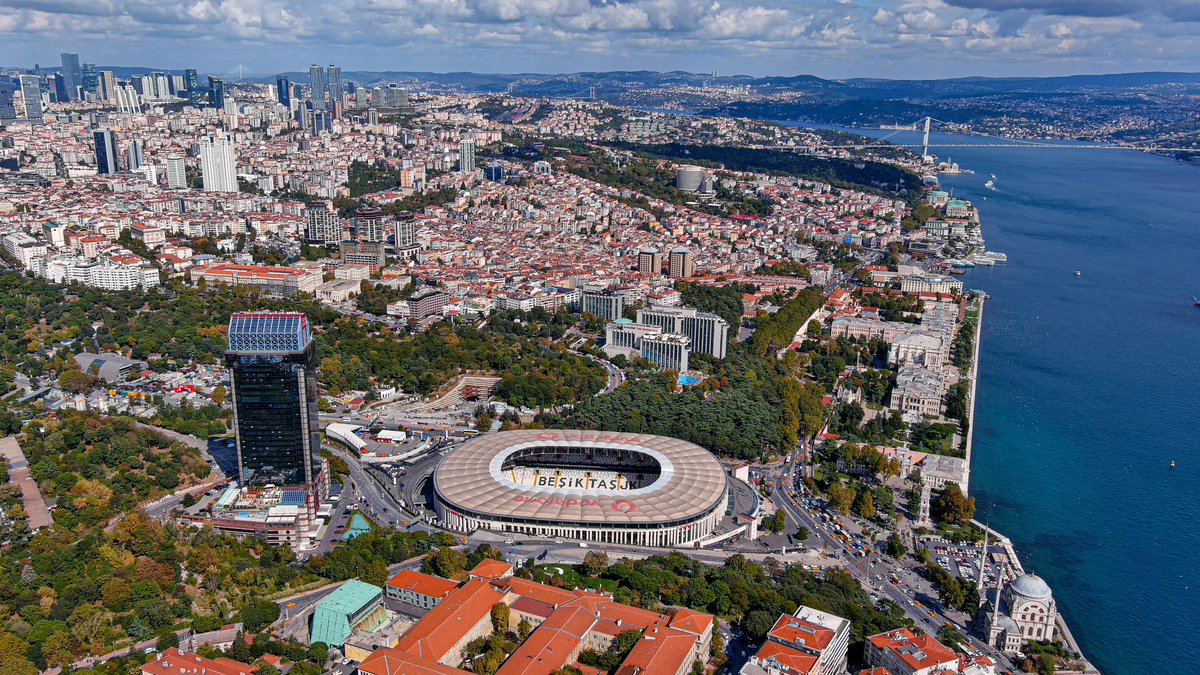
(1090, 387)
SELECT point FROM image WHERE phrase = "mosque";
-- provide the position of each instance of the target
(1024, 611)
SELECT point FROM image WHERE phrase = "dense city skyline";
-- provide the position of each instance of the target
(834, 38)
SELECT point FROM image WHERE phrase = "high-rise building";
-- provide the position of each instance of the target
(324, 225)
(59, 88)
(8, 106)
(273, 369)
(368, 224)
(127, 99)
(89, 82)
(176, 173)
(466, 153)
(680, 263)
(216, 92)
(283, 91)
(108, 86)
(191, 82)
(406, 231)
(106, 151)
(709, 333)
(134, 155)
(494, 172)
(649, 262)
(217, 164)
(335, 85)
(606, 304)
(322, 122)
(31, 92)
(316, 79)
(72, 75)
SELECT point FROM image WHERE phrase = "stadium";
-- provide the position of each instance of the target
(600, 486)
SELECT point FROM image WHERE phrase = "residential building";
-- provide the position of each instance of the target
(808, 642)
(134, 158)
(176, 173)
(324, 225)
(680, 263)
(368, 224)
(466, 154)
(649, 262)
(217, 165)
(903, 653)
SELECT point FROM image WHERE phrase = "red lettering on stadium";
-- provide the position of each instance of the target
(622, 505)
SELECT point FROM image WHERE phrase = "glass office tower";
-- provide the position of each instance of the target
(273, 370)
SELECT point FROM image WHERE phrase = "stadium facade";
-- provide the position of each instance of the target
(605, 487)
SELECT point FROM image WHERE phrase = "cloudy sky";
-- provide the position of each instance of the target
(829, 38)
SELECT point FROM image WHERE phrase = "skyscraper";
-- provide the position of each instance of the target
(176, 173)
(191, 81)
(72, 75)
(217, 165)
(89, 82)
(106, 153)
(31, 92)
(316, 78)
(466, 153)
(216, 92)
(8, 106)
(273, 370)
(134, 159)
(108, 86)
(59, 87)
(283, 91)
(335, 85)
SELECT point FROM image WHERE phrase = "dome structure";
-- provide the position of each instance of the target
(1030, 586)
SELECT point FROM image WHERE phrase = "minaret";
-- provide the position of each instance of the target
(982, 561)
(994, 628)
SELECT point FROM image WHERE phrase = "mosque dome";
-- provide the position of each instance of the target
(1030, 586)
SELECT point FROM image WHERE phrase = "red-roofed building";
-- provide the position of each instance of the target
(809, 642)
(462, 617)
(776, 659)
(179, 662)
(903, 653)
(492, 570)
(417, 589)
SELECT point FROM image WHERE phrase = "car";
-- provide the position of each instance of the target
(583, 544)
(509, 541)
(558, 541)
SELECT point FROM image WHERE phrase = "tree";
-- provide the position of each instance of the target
(757, 623)
(444, 562)
(318, 653)
(258, 613)
(218, 395)
(166, 640)
(376, 573)
(13, 659)
(594, 562)
(841, 497)
(59, 649)
(801, 533)
(864, 504)
(500, 617)
(952, 507)
(895, 546)
(76, 381)
(524, 629)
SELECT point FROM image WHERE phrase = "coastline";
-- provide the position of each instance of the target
(1010, 552)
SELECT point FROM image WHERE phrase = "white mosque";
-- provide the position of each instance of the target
(1023, 612)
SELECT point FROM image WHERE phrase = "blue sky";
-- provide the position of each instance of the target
(828, 38)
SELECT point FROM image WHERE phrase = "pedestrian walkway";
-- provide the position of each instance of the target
(18, 474)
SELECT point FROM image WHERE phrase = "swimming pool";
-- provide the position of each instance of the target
(688, 380)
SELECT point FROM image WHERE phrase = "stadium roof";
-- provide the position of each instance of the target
(690, 484)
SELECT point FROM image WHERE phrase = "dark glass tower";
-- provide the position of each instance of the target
(273, 370)
(216, 92)
(283, 91)
(192, 82)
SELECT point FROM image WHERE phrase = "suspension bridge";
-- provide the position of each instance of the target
(925, 144)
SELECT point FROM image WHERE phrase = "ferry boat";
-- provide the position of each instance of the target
(960, 263)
